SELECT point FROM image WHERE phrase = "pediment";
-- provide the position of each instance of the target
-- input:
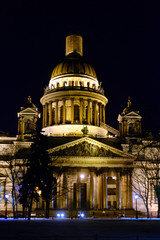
(88, 147)
(28, 111)
(133, 114)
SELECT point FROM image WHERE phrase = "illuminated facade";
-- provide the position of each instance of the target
(96, 160)
(74, 96)
(74, 120)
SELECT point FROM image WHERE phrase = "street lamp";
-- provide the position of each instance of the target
(136, 198)
(6, 199)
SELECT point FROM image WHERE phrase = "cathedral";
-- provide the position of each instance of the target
(96, 160)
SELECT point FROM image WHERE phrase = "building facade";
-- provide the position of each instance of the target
(96, 160)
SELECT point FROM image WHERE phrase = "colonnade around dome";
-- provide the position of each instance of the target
(73, 111)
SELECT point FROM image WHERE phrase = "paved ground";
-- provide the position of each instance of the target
(80, 229)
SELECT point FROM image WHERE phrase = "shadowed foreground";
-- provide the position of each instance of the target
(80, 229)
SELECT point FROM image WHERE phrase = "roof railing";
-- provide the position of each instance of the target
(48, 90)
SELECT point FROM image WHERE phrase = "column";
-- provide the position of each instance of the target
(46, 111)
(104, 116)
(91, 190)
(105, 203)
(118, 191)
(81, 110)
(56, 112)
(78, 191)
(69, 193)
(58, 192)
(100, 191)
(130, 191)
(95, 192)
(100, 113)
(22, 125)
(64, 191)
(43, 116)
(89, 111)
(18, 125)
(127, 190)
(95, 113)
(50, 113)
(72, 110)
(123, 200)
(64, 111)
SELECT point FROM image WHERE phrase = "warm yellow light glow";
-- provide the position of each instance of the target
(82, 176)
(74, 130)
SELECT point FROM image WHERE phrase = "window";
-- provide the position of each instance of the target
(85, 120)
(111, 191)
(53, 115)
(28, 126)
(76, 113)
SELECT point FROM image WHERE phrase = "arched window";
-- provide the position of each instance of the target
(53, 115)
(61, 114)
(76, 113)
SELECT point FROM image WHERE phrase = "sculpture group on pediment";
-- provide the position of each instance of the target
(85, 149)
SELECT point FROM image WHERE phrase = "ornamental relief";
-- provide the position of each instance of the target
(85, 149)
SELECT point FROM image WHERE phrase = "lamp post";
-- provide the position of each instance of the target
(136, 198)
(6, 199)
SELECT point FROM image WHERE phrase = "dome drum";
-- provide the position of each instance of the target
(74, 96)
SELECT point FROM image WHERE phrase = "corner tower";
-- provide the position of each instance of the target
(27, 118)
(74, 98)
(129, 122)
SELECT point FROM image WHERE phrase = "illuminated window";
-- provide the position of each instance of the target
(76, 113)
(85, 115)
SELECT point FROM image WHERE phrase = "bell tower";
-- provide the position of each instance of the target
(27, 118)
(129, 122)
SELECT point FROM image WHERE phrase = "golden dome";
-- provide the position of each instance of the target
(73, 64)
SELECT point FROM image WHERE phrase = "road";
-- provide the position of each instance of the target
(80, 229)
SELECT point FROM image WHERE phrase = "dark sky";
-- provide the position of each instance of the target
(121, 41)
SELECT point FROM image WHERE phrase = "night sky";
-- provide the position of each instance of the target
(121, 41)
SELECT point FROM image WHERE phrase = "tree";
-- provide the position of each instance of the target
(141, 182)
(39, 174)
(13, 163)
(147, 172)
(152, 152)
